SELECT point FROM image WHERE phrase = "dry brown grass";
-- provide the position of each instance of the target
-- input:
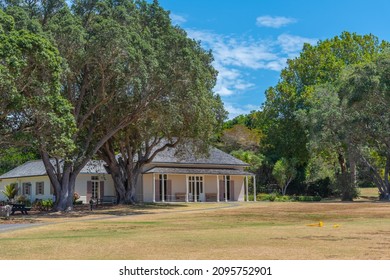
(263, 230)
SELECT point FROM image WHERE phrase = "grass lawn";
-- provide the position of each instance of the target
(262, 230)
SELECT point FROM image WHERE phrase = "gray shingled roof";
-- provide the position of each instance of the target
(198, 171)
(216, 156)
(36, 168)
(170, 156)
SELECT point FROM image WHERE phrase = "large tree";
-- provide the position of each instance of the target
(185, 111)
(317, 65)
(365, 89)
(31, 108)
(114, 71)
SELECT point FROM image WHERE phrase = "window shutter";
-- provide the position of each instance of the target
(157, 190)
(221, 190)
(89, 191)
(232, 190)
(101, 189)
(169, 190)
(36, 188)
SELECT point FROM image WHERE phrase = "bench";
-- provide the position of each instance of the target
(20, 207)
(107, 200)
(211, 197)
(180, 196)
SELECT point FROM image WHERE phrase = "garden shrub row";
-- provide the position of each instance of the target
(285, 198)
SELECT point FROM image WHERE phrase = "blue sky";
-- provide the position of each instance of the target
(252, 39)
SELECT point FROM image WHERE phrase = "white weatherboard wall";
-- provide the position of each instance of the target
(179, 185)
(33, 181)
(80, 187)
(148, 187)
(239, 187)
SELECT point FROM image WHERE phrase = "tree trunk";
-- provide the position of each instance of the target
(63, 180)
(122, 175)
(382, 183)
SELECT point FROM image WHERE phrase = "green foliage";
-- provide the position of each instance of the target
(23, 200)
(302, 198)
(284, 172)
(31, 106)
(286, 198)
(10, 191)
(47, 204)
(15, 156)
(305, 112)
(254, 160)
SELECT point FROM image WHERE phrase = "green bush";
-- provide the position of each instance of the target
(285, 198)
(47, 204)
(22, 199)
(306, 198)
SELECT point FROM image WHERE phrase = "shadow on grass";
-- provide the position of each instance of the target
(109, 210)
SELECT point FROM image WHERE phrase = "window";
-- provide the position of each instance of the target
(95, 189)
(228, 187)
(26, 188)
(163, 182)
(39, 188)
(95, 178)
(195, 186)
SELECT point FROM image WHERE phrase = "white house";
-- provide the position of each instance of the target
(168, 178)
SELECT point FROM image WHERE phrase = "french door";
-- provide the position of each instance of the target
(195, 188)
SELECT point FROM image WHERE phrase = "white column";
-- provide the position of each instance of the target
(195, 190)
(163, 188)
(246, 188)
(254, 188)
(186, 188)
(225, 189)
(154, 187)
(217, 188)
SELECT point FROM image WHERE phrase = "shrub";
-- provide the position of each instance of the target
(22, 199)
(47, 204)
(283, 198)
(306, 198)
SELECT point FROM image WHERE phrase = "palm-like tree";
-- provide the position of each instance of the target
(10, 191)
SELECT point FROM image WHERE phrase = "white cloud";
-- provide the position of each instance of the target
(292, 45)
(177, 19)
(238, 58)
(236, 110)
(233, 56)
(274, 22)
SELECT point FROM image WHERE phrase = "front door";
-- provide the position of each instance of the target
(195, 187)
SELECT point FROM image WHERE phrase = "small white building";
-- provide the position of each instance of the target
(31, 180)
(168, 178)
